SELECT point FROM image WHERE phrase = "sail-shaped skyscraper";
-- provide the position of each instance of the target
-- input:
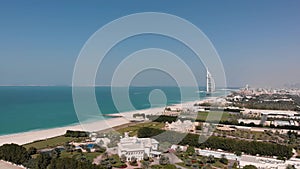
(210, 84)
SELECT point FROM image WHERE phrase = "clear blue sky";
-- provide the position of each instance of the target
(258, 41)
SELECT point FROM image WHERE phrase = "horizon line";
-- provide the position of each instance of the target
(35, 85)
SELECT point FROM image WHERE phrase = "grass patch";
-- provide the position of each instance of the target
(218, 164)
(51, 142)
(134, 129)
(214, 116)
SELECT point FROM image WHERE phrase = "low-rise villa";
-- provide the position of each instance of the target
(179, 126)
(137, 147)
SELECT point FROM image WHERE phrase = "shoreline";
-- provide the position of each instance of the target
(35, 135)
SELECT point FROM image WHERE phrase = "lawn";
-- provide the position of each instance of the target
(133, 129)
(214, 116)
(51, 142)
(218, 164)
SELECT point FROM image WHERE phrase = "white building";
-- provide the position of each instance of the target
(217, 154)
(281, 123)
(185, 126)
(268, 163)
(137, 147)
(181, 148)
(259, 162)
(248, 121)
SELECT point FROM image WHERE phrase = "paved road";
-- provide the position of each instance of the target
(6, 165)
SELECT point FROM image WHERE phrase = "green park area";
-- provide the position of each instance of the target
(52, 142)
(215, 116)
(133, 129)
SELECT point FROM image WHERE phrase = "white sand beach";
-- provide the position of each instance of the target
(27, 137)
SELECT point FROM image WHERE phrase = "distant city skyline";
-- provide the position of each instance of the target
(257, 41)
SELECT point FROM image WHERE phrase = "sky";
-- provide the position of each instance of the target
(258, 41)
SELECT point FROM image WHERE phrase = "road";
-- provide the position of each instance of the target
(6, 165)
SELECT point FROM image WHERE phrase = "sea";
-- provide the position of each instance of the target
(28, 108)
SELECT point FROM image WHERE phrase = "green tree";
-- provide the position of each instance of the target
(235, 165)
(55, 153)
(238, 153)
(14, 153)
(226, 144)
(66, 163)
(31, 163)
(249, 167)
(145, 164)
(223, 159)
(190, 150)
(42, 161)
(69, 147)
(32, 150)
(164, 160)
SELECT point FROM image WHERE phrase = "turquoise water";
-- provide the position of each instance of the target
(33, 108)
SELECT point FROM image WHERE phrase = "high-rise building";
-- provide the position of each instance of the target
(210, 84)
